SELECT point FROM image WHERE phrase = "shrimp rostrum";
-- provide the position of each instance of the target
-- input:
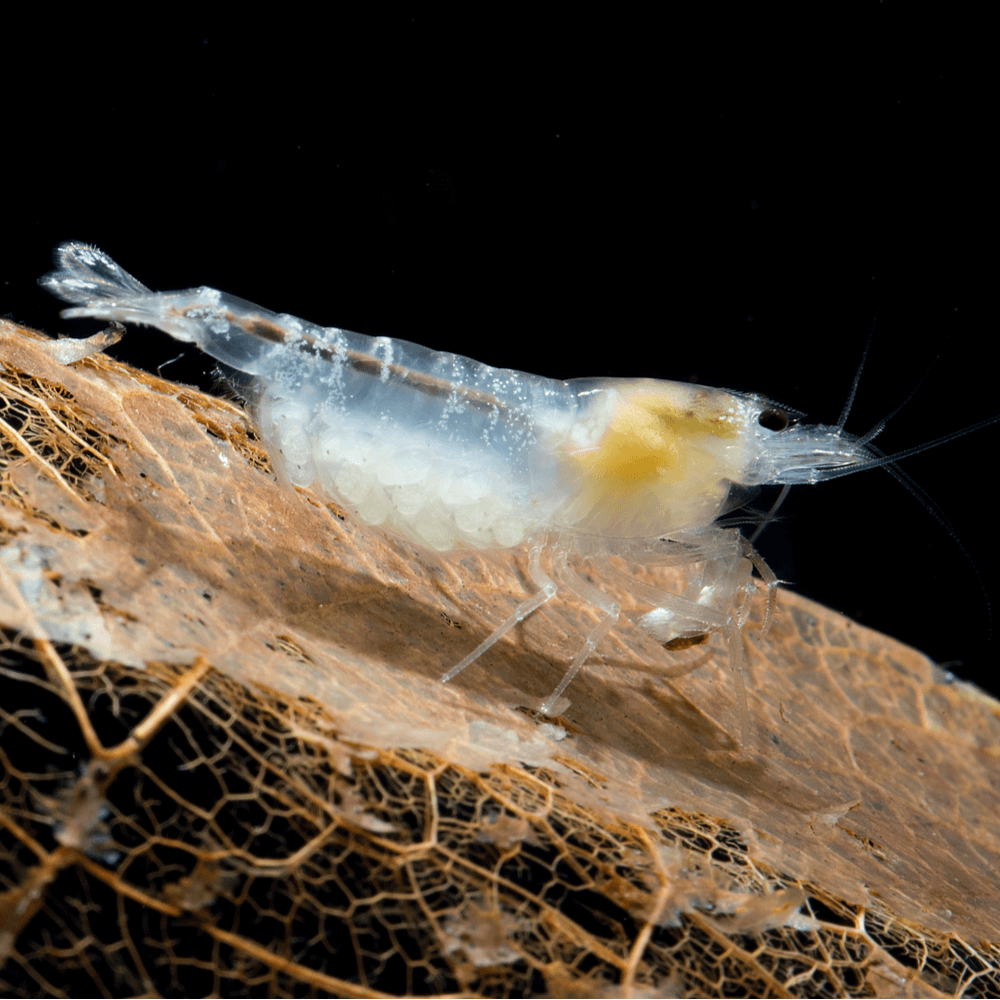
(455, 455)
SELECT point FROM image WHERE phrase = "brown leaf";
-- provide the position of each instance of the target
(226, 762)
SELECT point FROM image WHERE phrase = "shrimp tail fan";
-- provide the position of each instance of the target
(99, 288)
(86, 276)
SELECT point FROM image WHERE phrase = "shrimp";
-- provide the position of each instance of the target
(453, 454)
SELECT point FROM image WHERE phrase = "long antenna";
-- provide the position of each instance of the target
(769, 516)
(846, 411)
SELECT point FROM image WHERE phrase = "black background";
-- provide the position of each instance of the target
(734, 203)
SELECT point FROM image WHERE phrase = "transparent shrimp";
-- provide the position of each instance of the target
(455, 455)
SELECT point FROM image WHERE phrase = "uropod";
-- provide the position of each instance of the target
(455, 455)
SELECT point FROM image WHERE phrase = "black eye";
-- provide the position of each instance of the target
(773, 420)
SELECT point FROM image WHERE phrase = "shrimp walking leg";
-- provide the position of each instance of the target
(594, 597)
(547, 590)
(737, 663)
(770, 581)
(711, 603)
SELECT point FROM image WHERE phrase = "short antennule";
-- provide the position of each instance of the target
(807, 454)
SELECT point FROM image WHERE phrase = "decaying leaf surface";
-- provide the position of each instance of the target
(226, 767)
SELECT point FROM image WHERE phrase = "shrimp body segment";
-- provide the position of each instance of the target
(454, 454)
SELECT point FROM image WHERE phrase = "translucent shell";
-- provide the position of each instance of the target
(453, 454)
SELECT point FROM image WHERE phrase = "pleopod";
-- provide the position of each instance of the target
(456, 455)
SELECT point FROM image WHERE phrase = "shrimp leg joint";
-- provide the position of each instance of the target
(455, 455)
